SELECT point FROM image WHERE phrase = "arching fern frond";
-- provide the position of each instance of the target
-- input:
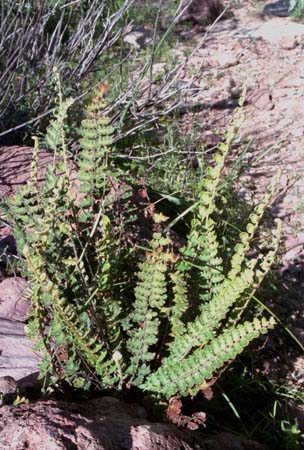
(188, 375)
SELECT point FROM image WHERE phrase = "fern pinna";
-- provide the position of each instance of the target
(181, 323)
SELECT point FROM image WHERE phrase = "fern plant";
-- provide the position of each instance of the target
(181, 323)
(68, 247)
(199, 348)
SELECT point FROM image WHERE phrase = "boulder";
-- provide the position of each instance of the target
(14, 300)
(101, 424)
(17, 357)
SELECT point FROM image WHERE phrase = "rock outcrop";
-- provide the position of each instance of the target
(17, 357)
(101, 424)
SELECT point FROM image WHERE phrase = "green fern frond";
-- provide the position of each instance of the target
(179, 304)
(202, 250)
(55, 138)
(93, 162)
(92, 349)
(203, 328)
(264, 265)
(65, 326)
(246, 237)
(188, 375)
(150, 299)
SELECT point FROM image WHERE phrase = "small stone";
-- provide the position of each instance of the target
(8, 390)
(139, 37)
(200, 12)
(273, 31)
(261, 99)
(288, 43)
(225, 59)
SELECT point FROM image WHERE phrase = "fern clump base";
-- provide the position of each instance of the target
(168, 325)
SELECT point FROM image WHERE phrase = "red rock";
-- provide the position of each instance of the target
(17, 357)
(101, 424)
(14, 301)
(288, 42)
(261, 99)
